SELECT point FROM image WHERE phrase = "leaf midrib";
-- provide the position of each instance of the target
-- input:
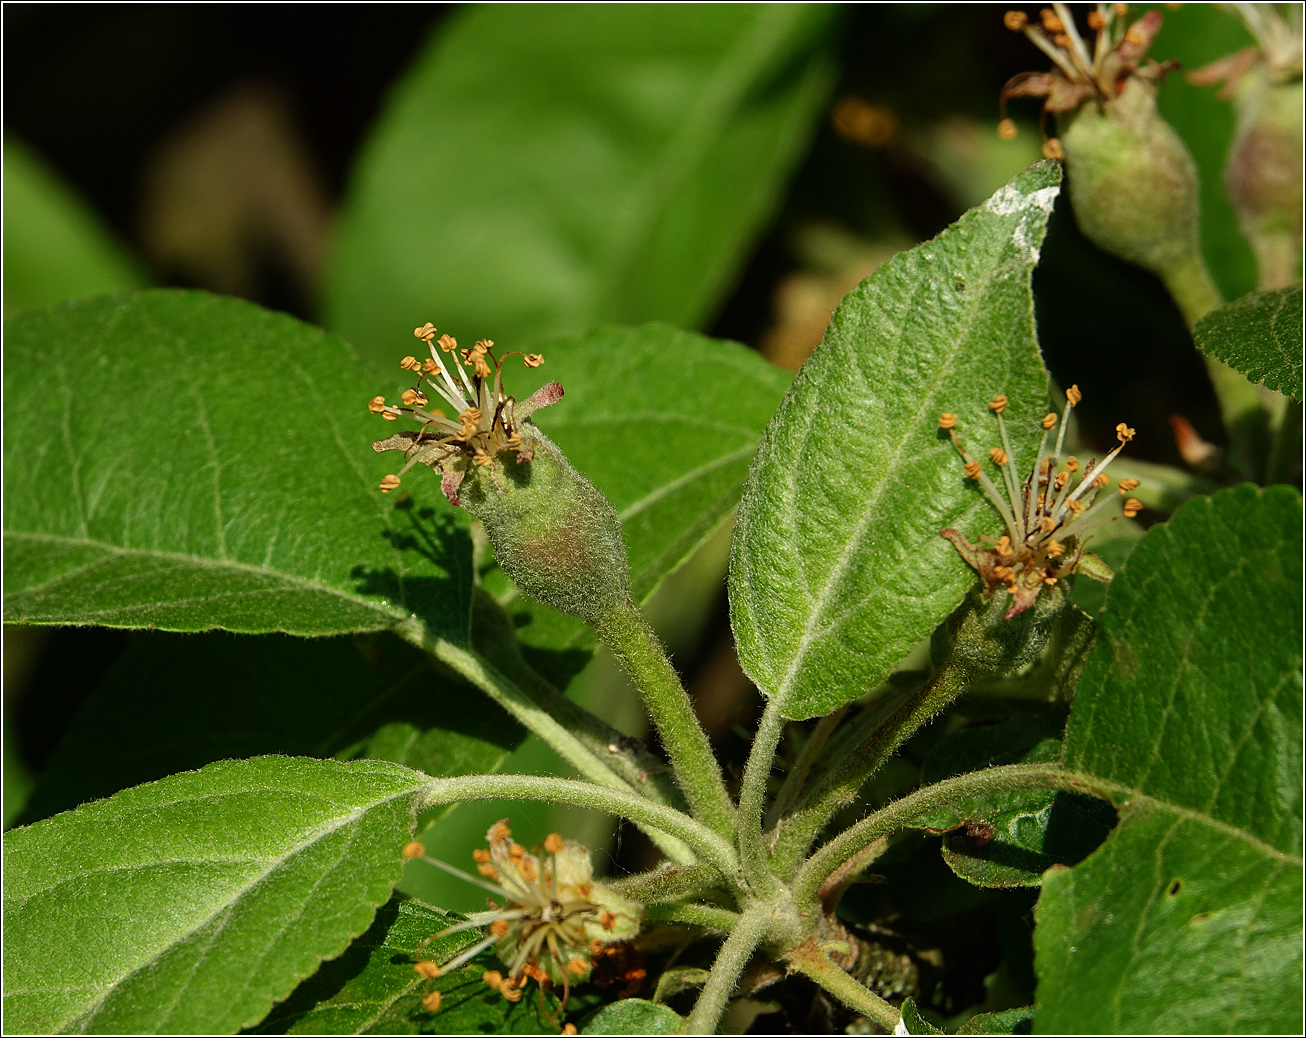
(200, 562)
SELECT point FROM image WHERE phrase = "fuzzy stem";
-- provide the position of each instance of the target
(848, 990)
(839, 786)
(901, 813)
(797, 777)
(560, 738)
(730, 962)
(668, 883)
(584, 794)
(632, 641)
(1285, 450)
(752, 800)
(710, 917)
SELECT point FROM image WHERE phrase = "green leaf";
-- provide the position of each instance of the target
(372, 988)
(194, 903)
(544, 170)
(1259, 335)
(1011, 839)
(184, 461)
(1188, 919)
(837, 542)
(177, 702)
(912, 1021)
(55, 247)
(1005, 1021)
(635, 1016)
(665, 423)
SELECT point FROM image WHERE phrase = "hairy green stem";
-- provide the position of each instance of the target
(669, 882)
(797, 777)
(840, 784)
(1285, 450)
(738, 948)
(632, 641)
(494, 638)
(752, 800)
(899, 814)
(622, 802)
(710, 917)
(535, 718)
(848, 990)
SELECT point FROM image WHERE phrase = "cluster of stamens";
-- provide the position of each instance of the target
(554, 922)
(1048, 516)
(486, 420)
(1081, 72)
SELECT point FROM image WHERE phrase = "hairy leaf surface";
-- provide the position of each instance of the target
(1259, 335)
(184, 461)
(544, 170)
(191, 904)
(1189, 916)
(837, 567)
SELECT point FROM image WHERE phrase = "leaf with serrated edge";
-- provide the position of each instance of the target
(577, 165)
(837, 567)
(1259, 335)
(191, 904)
(185, 461)
(635, 1016)
(1188, 918)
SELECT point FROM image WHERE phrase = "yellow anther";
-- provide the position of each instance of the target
(553, 843)
(1096, 22)
(1049, 581)
(1015, 20)
(947, 420)
(499, 928)
(529, 870)
(1052, 149)
(998, 404)
(1072, 464)
(1074, 396)
(376, 405)
(1062, 41)
(569, 1029)
(533, 360)
(480, 855)
(607, 920)
(389, 416)
(1055, 549)
(388, 483)
(488, 871)
(1002, 572)
(972, 469)
(481, 458)
(1003, 547)
(426, 333)
(1076, 506)
(1132, 507)
(431, 367)
(1120, 9)
(577, 966)
(1047, 524)
(1045, 466)
(1126, 485)
(1134, 36)
(429, 970)
(410, 364)
(998, 455)
(1007, 129)
(471, 416)
(1123, 433)
(1060, 481)
(1049, 420)
(1100, 480)
(492, 978)
(516, 852)
(432, 1001)
(484, 345)
(1050, 21)
(509, 991)
(447, 343)
(413, 849)
(411, 397)
(478, 364)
